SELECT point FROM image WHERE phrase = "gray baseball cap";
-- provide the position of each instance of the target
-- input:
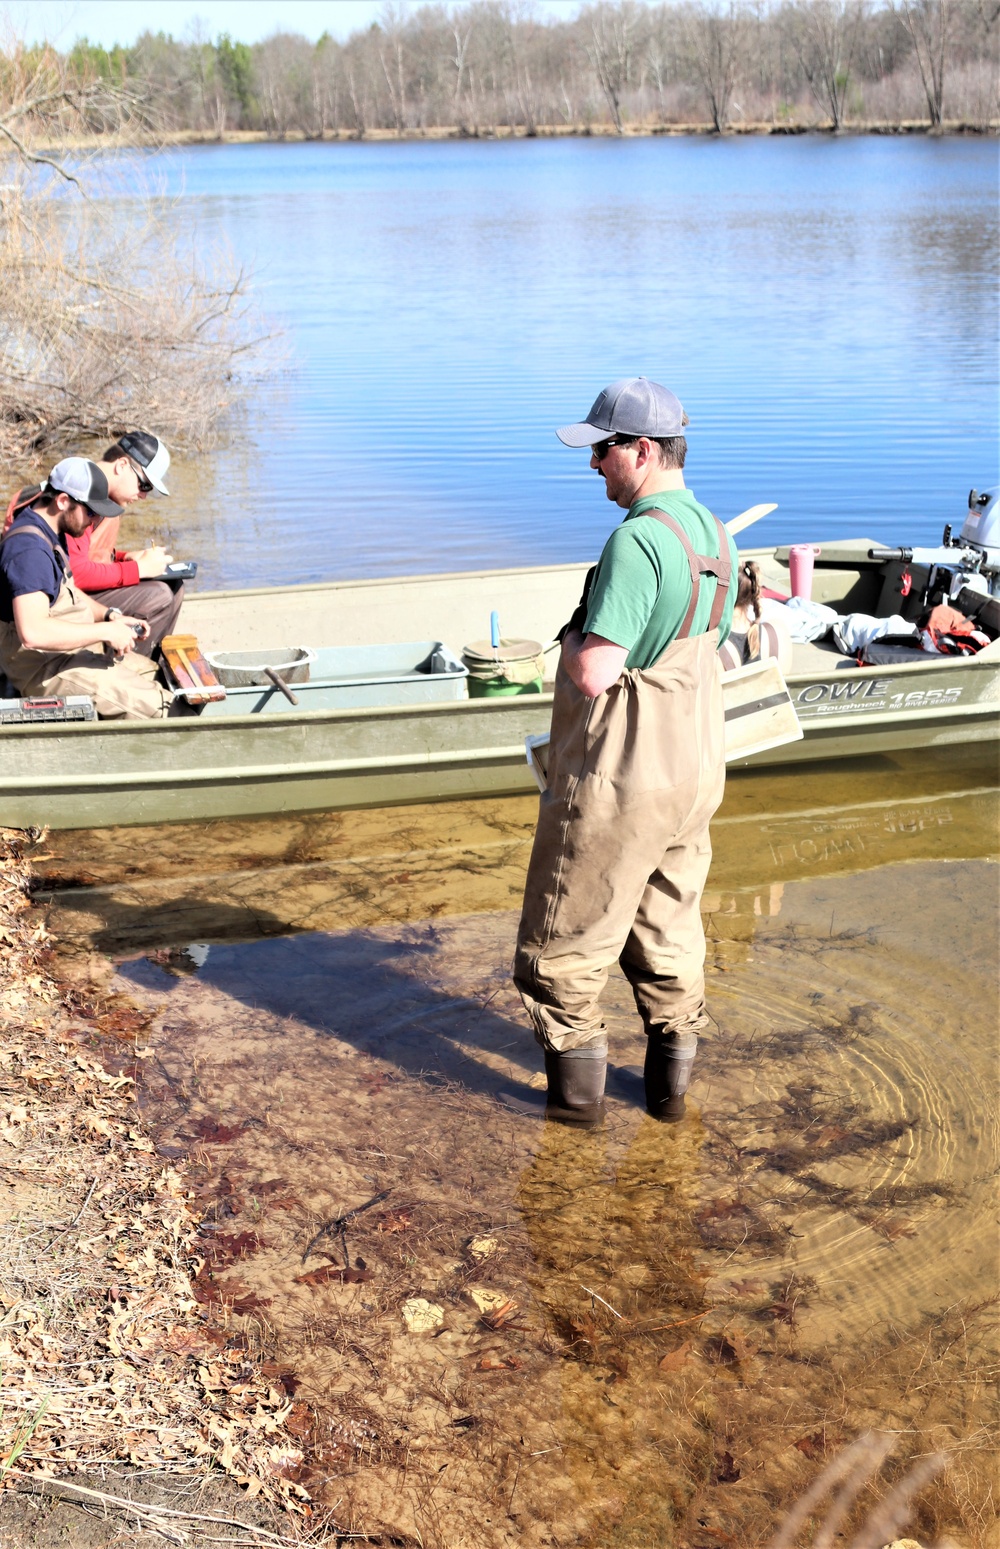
(632, 407)
(82, 480)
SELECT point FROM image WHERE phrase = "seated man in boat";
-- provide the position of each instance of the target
(54, 639)
(134, 466)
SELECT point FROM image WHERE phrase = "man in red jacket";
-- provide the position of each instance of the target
(134, 466)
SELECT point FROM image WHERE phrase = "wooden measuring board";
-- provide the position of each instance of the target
(188, 670)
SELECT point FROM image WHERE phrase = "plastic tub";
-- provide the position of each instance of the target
(245, 669)
(355, 678)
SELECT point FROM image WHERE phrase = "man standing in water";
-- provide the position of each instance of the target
(636, 769)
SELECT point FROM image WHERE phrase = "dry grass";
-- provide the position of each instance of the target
(109, 323)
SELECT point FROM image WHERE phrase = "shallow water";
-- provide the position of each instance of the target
(701, 1313)
(826, 309)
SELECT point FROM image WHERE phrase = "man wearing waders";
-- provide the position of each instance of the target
(636, 769)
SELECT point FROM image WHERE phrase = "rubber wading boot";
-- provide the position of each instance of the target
(666, 1073)
(574, 1091)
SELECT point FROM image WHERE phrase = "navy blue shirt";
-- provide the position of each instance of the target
(28, 564)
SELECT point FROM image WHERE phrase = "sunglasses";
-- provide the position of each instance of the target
(144, 485)
(600, 449)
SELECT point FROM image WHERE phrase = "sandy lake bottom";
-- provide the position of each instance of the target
(641, 1335)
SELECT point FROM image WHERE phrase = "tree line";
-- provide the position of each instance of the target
(495, 66)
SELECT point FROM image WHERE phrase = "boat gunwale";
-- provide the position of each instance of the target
(502, 705)
(365, 582)
(831, 560)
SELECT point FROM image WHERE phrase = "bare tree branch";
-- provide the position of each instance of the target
(36, 159)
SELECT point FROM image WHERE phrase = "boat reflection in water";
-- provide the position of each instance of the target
(126, 889)
(638, 1335)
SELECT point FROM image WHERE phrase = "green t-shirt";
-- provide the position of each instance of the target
(642, 587)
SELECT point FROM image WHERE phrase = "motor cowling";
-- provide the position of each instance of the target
(981, 528)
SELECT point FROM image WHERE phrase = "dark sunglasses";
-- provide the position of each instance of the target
(600, 449)
(144, 485)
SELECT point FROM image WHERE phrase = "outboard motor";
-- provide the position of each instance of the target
(981, 531)
(969, 563)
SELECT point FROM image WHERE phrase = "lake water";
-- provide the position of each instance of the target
(825, 308)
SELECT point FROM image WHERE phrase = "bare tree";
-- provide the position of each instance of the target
(611, 50)
(390, 55)
(717, 38)
(103, 320)
(825, 34)
(284, 75)
(325, 85)
(361, 70)
(461, 33)
(520, 80)
(929, 24)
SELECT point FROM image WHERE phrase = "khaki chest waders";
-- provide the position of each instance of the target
(120, 690)
(622, 850)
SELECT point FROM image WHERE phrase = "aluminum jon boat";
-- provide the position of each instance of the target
(278, 758)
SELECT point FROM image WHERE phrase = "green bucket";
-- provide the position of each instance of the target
(512, 667)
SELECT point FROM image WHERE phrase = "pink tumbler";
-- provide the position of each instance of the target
(800, 564)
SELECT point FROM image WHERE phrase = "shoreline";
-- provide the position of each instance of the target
(127, 1380)
(952, 128)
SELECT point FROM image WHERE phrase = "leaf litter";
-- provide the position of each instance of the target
(115, 1340)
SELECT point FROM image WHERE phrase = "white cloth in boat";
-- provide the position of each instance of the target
(808, 620)
(854, 631)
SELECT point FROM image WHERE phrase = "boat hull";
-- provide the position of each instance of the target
(73, 775)
(80, 775)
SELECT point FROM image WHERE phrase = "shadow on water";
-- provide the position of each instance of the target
(634, 1337)
(379, 993)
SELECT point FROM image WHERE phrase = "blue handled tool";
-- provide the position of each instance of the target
(495, 630)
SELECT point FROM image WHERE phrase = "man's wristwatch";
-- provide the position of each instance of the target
(113, 613)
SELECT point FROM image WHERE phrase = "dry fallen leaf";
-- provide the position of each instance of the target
(674, 1359)
(507, 1363)
(328, 1273)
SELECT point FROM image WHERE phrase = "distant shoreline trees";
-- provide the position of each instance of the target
(494, 66)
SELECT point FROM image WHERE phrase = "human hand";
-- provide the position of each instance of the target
(152, 562)
(121, 635)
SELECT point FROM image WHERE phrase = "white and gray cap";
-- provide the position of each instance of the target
(632, 407)
(151, 455)
(83, 481)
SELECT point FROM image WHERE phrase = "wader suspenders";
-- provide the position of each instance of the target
(20, 502)
(55, 548)
(701, 564)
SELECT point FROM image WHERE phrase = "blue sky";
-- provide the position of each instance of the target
(121, 21)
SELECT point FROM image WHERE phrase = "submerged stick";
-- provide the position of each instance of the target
(600, 1299)
(339, 1226)
(43, 1485)
(856, 1464)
